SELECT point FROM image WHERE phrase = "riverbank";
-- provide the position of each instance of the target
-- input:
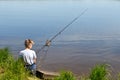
(78, 57)
(11, 69)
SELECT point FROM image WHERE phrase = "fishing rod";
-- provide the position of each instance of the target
(62, 30)
(47, 44)
(67, 25)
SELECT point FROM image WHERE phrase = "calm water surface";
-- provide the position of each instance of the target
(93, 38)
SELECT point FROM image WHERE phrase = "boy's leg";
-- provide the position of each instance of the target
(33, 69)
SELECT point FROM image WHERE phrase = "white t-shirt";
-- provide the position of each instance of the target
(28, 56)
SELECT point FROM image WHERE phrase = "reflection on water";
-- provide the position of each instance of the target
(94, 37)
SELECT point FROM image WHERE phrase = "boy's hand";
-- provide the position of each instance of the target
(48, 42)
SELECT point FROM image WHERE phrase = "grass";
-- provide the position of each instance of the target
(66, 75)
(11, 69)
(99, 72)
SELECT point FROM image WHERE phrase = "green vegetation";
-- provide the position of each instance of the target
(99, 72)
(65, 76)
(11, 69)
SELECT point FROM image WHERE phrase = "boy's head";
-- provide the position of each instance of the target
(28, 43)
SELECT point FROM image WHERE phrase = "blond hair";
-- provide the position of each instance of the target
(28, 42)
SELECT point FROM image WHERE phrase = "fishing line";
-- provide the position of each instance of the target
(45, 47)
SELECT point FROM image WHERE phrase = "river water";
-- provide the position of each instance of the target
(94, 38)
